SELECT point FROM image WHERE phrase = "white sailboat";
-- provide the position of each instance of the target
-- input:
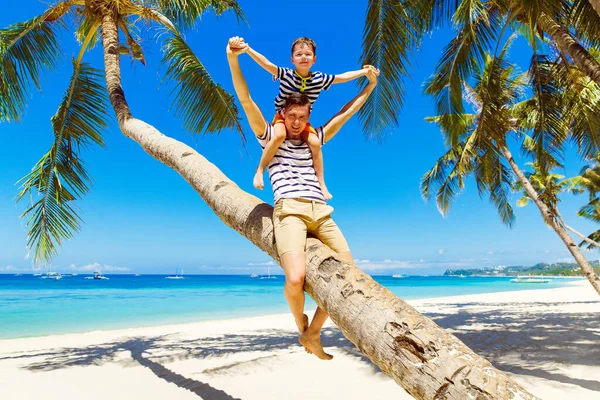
(175, 276)
(268, 274)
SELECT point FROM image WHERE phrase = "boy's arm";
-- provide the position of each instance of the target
(331, 128)
(262, 61)
(351, 75)
(255, 118)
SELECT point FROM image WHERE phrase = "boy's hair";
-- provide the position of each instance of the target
(297, 99)
(307, 41)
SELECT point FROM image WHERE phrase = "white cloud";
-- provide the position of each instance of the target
(98, 267)
(359, 261)
(265, 263)
(422, 260)
(8, 268)
(441, 251)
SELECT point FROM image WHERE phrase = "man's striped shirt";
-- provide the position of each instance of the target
(290, 82)
(291, 170)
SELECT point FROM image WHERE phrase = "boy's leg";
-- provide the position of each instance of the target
(279, 134)
(317, 155)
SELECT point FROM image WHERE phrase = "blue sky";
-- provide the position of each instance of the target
(142, 217)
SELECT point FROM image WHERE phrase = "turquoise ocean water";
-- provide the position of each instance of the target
(31, 306)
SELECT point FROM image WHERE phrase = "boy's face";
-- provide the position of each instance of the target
(303, 56)
(295, 119)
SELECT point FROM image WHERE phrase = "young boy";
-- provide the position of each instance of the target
(299, 79)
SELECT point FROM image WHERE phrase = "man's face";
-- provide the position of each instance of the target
(303, 56)
(295, 119)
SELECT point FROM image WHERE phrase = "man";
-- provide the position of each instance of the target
(300, 207)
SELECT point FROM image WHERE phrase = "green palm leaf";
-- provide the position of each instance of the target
(549, 130)
(26, 49)
(391, 32)
(60, 177)
(478, 25)
(203, 105)
(187, 12)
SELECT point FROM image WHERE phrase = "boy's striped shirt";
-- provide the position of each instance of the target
(291, 170)
(290, 82)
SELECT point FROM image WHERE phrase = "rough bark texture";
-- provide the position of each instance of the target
(549, 217)
(596, 5)
(420, 356)
(566, 43)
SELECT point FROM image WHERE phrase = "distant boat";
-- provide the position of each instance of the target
(254, 276)
(268, 274)
(138, 275)
(38, 274)
(18, 274)
(175, 276)
(461, 276)
(530, 279)
(98, 276)
(52, 275)
(399, 276)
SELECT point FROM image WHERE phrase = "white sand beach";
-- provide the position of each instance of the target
(548, 340)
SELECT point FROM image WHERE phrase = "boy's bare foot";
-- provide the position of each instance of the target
(302, 327)
(312, 342)
(258, 180)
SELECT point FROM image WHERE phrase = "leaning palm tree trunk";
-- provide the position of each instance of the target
(596, 5)
(420, 356)
(566, 43)
(551, 219)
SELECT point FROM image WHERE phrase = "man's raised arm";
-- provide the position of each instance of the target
(235, 47)
(334, 124)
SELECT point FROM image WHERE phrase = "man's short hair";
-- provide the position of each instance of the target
(297, 99)
(307, 41)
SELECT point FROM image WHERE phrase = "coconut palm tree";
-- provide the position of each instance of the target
(26, 49)
(427, 361)
(549, 186)
(394, 31)
(479, 141)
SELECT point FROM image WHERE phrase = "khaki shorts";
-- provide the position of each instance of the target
(294, 218)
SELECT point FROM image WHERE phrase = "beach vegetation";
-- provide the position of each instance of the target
(30, 48)
(532, 110)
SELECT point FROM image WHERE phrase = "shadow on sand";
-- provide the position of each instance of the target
(513, 339)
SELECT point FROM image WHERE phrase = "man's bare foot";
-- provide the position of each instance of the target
(258, 180)
(312, 342)
(302, 327)
(326, 194)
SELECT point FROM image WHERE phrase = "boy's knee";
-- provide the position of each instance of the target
(279, 132)
(313, 142)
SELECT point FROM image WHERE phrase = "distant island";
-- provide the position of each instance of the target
(554, 269)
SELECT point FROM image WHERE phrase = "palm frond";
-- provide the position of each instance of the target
(585, 21)
(59, 177)
(88, 22)
(391, 31)
(26, 49)
(203, 105)
(582, 110)
(454, 126)
(478, 24)
(549, 131)
(187, 12)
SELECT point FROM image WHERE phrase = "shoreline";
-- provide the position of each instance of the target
(547, 340)
(582, 282)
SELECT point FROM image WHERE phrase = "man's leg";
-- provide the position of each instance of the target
(294, 266)
(311, 338)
